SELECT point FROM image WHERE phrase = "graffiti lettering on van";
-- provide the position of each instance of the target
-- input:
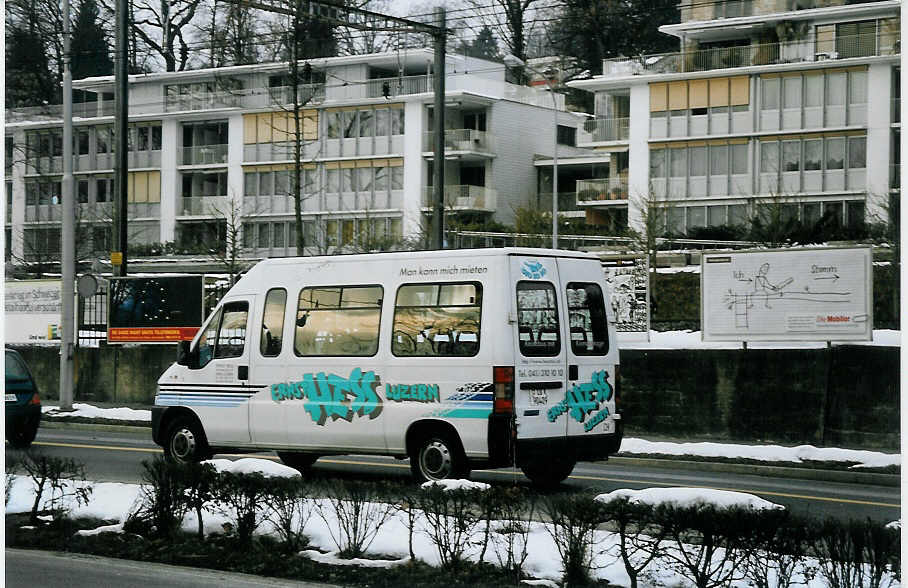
(583, 400)
(412, 392)
(334, 396)
(533, 270)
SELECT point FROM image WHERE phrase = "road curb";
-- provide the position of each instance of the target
(843, 476)
(790, 472)
(59, 424)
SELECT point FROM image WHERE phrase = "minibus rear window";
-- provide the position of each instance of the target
(538, 330)
(338, 321)
(587, 318)
(437, 320)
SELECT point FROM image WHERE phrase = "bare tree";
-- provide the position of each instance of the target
(164, 28)
(513, 21)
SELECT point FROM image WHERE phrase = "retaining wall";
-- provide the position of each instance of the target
(846, 395)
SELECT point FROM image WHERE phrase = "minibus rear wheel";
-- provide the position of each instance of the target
(186, 441)
(550, 473)
(298, 461)
(438, 457)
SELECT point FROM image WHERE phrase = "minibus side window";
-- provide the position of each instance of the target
(273, 322)
(208, 338)
(538, 330)
(437, 320)
(587, 319)
(338, 320)
(232, 332)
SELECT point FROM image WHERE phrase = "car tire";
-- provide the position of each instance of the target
(185, 441)
(298, 460)
(549, 473)
(438, 457)
(21, 437)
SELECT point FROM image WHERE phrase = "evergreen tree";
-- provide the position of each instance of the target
(90, 51)
(484, 46)
(593, 30)
(29, 81)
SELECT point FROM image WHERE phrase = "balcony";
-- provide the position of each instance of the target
(205, 206)
(602, 129)
(460, 140)
(391, 87)
(463, 198)
(55, 111)
(202, 101)
(203, 155)
(43, 212)
(306, 93)
(842, 47)
(604, 191)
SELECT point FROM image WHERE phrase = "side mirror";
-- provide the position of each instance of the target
(183, 353)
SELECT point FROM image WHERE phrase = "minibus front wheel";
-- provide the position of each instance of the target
(185, 441)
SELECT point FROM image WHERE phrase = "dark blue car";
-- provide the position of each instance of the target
(23, 404)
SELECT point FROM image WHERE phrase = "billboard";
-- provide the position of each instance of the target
(628, 280)
(817, 294)
(32, 311)
(158, 309)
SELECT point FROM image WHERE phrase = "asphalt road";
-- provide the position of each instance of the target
(46, 568)
(117, 457)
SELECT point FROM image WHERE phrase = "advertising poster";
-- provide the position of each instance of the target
(159, 309)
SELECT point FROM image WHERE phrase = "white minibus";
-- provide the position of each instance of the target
(457, 360)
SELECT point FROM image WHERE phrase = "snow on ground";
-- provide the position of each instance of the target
(90, 411)
(767, 453)
(251, 465)
(457, 485)
(114, 501)
(687, 497)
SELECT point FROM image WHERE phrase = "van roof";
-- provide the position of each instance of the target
(274, 263)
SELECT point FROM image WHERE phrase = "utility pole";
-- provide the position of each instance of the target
(68, 230)
(121, 128)
(438, 166)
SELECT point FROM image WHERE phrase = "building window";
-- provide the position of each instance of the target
(567, 135)
(857, 152)
(791, 156)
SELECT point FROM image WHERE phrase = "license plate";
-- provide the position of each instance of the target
(539, 397)
(11, 398)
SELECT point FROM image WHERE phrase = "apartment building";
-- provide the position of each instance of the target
(789, 101)
(203, 143)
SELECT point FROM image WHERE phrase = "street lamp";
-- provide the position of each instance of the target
(514, 61)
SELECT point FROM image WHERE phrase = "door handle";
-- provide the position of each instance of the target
(573, 372)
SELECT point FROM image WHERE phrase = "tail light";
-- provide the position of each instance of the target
(35, 399)
(617, 385)
(503, 380)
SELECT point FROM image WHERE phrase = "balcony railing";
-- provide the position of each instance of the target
(460, 140)
(202, 101)
(391, 87)
(306, 93)
(205, 205)
(203, 155)
(462, 198)
(55, 111)
(601, 191)
(607, 129)
(758, 54)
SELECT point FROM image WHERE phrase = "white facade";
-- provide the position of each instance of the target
(767, 101)
(206, 141)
